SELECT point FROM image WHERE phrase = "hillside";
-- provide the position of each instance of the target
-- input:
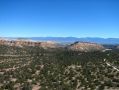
(35, 68)
(77, 46)
(85, 47)
(22, 43)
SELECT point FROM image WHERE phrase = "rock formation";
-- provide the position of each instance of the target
(85, 47)
(21, 43)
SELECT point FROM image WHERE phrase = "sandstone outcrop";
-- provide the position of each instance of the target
(21, 43)
(85, 47)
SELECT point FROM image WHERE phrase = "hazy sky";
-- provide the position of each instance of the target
(61, 18)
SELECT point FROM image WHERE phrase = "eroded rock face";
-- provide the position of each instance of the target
(21, 43)
(17, 43)
(48, 44)
(85, 47)
(77, 46)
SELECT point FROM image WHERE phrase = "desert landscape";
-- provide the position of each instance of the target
(79, 66)
(59, 44)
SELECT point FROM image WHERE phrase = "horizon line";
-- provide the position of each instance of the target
(55, 37)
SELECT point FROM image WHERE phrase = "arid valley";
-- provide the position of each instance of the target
(26, 65)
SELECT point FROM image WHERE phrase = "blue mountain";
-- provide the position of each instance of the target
(74, 39)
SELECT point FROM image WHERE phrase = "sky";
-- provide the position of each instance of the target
(59, 18)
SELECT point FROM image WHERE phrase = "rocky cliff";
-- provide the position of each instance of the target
(21, 43)
(85, 46)
(77, 46)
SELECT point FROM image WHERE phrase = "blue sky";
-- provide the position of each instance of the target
(59, 18)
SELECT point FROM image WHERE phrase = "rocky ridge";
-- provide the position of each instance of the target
(21, 43)
(77, 46)
(85, 46)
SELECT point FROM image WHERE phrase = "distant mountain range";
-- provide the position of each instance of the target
(73, 39)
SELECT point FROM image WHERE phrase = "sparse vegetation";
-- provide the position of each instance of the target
(34, 68)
